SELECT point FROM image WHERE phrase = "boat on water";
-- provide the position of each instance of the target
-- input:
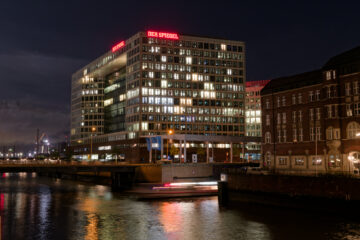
(175, 189)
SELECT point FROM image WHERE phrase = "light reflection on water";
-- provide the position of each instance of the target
(41, 208)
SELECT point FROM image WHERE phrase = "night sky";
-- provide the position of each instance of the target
(43, 42)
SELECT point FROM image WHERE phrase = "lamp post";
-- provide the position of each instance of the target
(93, 129)
(170, 132)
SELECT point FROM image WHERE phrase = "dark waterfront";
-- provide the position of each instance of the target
(41, 208)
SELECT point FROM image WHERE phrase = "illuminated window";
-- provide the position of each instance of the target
(109, 101)
(132, 93)
(151, 74)
(144, 126)
(208, 86)
(194, 76)
(170, 101)
(151, 101)
(353, 130)
(229, 71)
(188, 60)
(207, 94)
(122, 97)
(223, 47)
(177, 109)
(163, 83)
(144, 91)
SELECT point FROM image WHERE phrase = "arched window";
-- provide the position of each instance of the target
(353, 129)
(354, 158)
(267, 137)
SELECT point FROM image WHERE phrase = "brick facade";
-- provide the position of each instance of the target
(310, 121)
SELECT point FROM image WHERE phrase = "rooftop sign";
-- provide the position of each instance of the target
(118, 46)
(164, 35)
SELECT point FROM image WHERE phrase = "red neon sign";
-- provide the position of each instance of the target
(118, 46)
(164, 35)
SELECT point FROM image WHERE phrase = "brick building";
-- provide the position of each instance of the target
(310, 121)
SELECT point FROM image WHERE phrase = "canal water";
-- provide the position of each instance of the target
(33, 207)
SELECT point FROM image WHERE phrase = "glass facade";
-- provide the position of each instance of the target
(193, 85)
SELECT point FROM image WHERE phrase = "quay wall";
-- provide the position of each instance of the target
(162, 173)
(326, 186)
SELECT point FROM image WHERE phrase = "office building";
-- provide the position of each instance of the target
(154, 82)
(253, 117)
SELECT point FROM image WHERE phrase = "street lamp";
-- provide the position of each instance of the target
(170, 132)
(93, 129)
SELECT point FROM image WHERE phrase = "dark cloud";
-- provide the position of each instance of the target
(20, 120)
(43, 42)
(36, 95)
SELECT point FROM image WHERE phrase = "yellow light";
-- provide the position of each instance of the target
(171, 132)
(93, 129)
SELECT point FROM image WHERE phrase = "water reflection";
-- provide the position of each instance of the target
(92, 227)
(40, 208)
